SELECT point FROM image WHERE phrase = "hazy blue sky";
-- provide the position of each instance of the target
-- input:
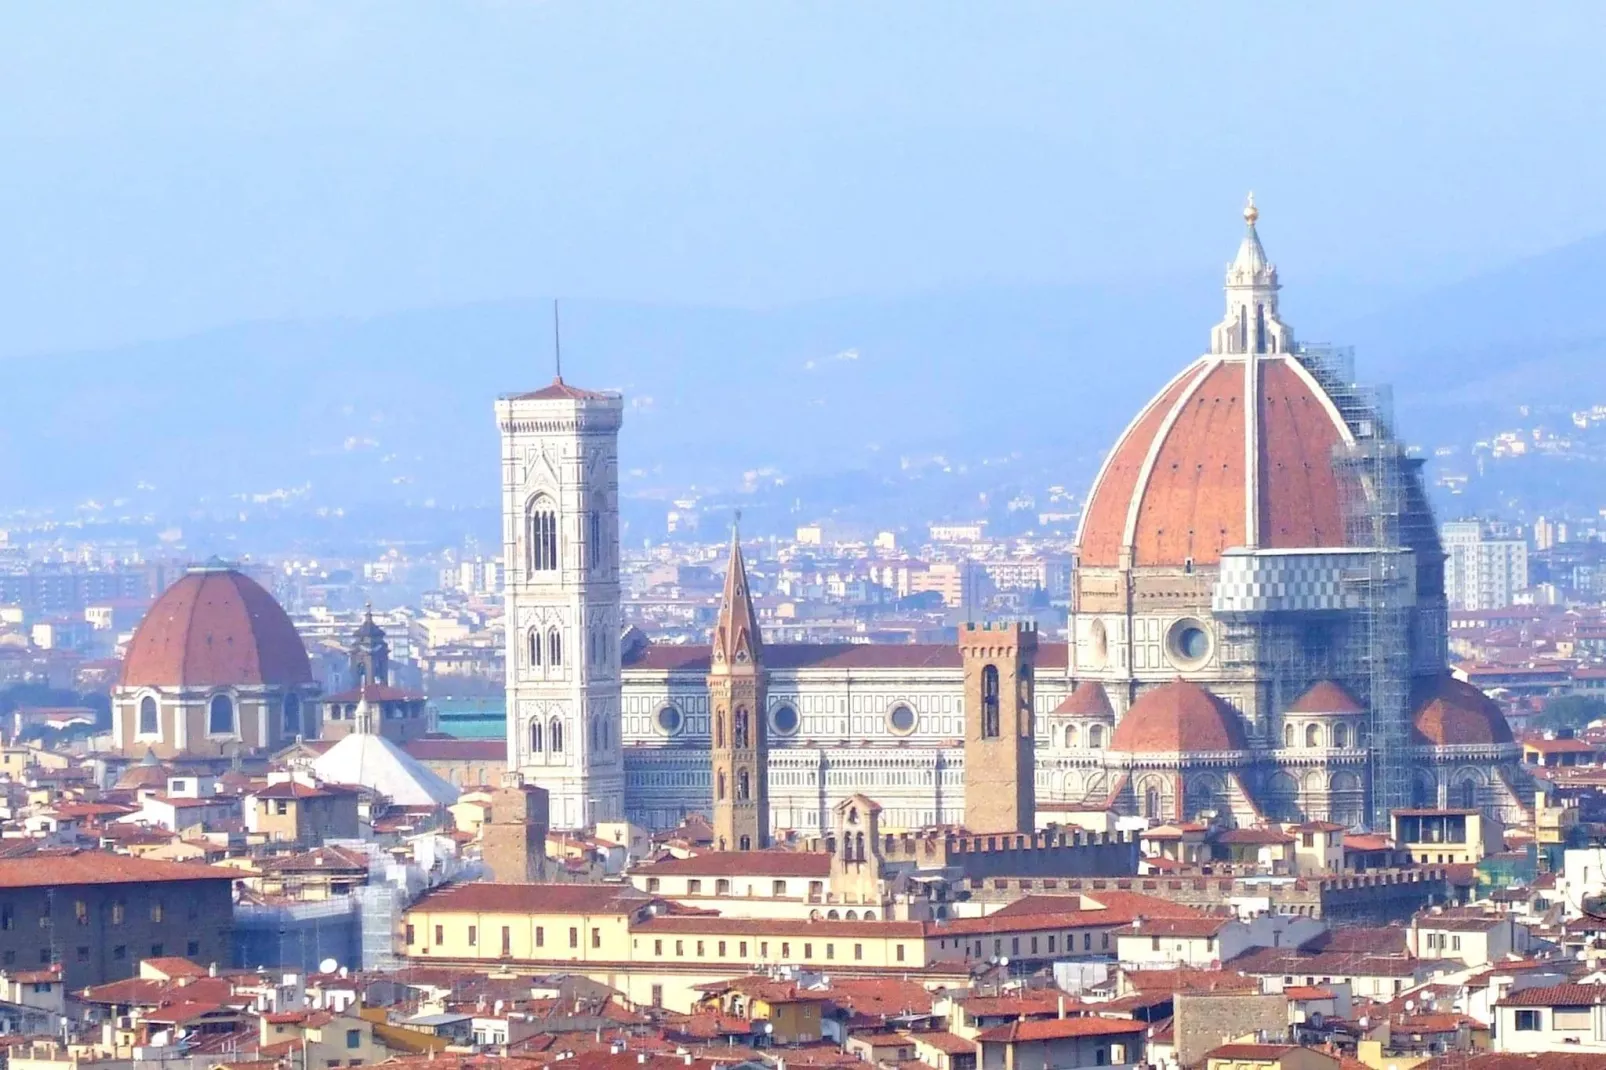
(170, 166)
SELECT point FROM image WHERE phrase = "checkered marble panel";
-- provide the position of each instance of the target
(1281, 582)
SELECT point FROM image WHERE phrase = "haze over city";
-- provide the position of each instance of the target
(920, 536)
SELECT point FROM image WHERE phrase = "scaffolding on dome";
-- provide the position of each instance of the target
(1373, 479)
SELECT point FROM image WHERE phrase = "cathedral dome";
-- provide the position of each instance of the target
(1236, 451)
(1448, 713)
(1177, 717)
(216, 627)
(1089, 699)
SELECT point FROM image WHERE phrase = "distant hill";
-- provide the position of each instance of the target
(398, 408)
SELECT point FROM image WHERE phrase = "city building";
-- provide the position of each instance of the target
(1481, 569)
(214, 671)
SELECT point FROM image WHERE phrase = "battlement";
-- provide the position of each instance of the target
(1054, 852)
(998, 629)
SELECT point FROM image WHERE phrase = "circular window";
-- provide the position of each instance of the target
(784, 720)
(670, 720)
(1189, 643)
(901, 719)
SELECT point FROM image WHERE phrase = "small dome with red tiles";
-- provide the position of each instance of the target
(1326, 697)
(1178, 717)
(216, 627)
(1453, 713)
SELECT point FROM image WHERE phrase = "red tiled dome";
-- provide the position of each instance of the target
(1178, 717)
(1088, 700)
(216, 628)
(1450, 712)
(1175, 486)
(1326, 697)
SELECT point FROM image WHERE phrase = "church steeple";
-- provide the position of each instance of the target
(736, 634)
(739, 747)
(370, 653)
(1251, 324)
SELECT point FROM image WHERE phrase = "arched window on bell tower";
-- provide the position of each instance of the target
(541, 536)
(989, 702)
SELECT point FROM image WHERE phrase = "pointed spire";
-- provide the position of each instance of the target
(736, 634)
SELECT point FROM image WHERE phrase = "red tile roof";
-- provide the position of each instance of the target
(215, 627)
(485, 897)
(1061, 1029)
(1089, 699)
(1325, 696)
(48, 869)
(1451, 712)
(1555, 996)
(1175, 717)
(558, 390)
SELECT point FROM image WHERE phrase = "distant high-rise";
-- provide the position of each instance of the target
(1482, 571)
(560, 535)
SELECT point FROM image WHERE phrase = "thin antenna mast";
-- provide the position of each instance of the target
(557, 340)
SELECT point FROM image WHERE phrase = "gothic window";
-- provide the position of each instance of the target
(1313, 736)
(1027, 702)
(292, 714)
(220, 716)
(744, 786)
(989, 702)
(1151, 802)
(1072, 737)
(1469, 794)
(555, 736)
(719, 729)
(554, 648)
(537, 736)
(739, 737)
(1260, 328)
(594, 540)
(535, 648)
(720, 790)
(858, 846)
(541, 536)
(148, 724)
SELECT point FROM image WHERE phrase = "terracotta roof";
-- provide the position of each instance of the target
(1251, 1051)
(797, 928)
(1451, 712)
(1062, 1028)
(46, 869)
(1178, 716)
(1190, 928)
(657, 657)
(215, 627)
(1182, 463)
(1555, 996)
(742, 864)
(294, 789)
(484, 896)
(1325, 696)
(558, 390)
(1251, 836)
(1089, 699)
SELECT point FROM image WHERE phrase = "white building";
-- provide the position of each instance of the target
(1481, 571)
(560, 535)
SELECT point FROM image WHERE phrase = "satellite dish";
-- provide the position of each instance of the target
(328, 966)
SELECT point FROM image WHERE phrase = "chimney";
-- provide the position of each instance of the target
(1062, 1005)
(211, 971)
(641, 1056)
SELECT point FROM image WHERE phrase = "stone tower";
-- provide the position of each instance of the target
(370, 653)
(740, 750)
(513, 840)
(1000, 690)
(560, 554)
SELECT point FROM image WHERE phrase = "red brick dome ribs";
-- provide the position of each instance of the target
(1448, 713)
(1176, 487)
(216, 627)
(1175, 717)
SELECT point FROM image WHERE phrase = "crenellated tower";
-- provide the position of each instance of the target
(1000, 660)
(736, 692)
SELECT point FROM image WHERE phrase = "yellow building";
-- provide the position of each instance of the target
(788, 1014)
(1268, 1057)
(1446, 836)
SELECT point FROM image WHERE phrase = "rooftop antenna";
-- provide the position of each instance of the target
(557, 341)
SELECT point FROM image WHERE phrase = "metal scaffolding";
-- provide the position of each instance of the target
(1374, 475)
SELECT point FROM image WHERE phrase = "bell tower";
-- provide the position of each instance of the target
(560, 556)
(1000, 692)
(736, 691)
(370, 653)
